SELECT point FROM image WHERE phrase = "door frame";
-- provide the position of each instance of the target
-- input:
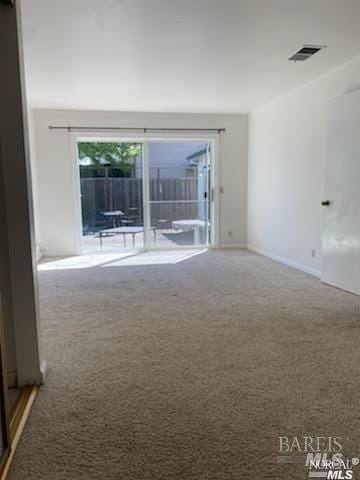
(144, 138)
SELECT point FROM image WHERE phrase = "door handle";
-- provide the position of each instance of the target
(325, 203)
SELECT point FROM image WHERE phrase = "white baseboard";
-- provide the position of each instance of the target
(231, 246)
(43, 372)
(38, 255)
(285, 261)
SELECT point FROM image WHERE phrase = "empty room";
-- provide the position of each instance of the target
(180, 239)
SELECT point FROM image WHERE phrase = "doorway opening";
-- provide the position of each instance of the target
(148, 194)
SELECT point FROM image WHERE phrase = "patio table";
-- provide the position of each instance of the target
(191, 224)
(114, 215)
(123, 231)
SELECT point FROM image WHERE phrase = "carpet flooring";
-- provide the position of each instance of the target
(189, 371)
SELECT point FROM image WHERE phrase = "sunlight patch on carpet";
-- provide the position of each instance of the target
(167, 257)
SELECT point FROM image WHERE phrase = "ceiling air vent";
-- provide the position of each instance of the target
(306, 52)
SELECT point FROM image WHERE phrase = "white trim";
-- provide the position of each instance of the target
(77, 194)
(44, 371)
(21, 280)
(143, 138)
(231, 246)
(214, 141)
(285, 261)
(146, 194)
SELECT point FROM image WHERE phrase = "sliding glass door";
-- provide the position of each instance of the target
(179, 193)
(148, 194)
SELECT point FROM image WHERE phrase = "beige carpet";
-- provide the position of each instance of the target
(190, 371)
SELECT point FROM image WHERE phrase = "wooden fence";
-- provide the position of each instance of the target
(171, 199)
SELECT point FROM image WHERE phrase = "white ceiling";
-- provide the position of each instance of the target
(179, 55)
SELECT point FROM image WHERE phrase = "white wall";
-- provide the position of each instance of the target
(32, 147)
(286, 171)
(54, 169)
(17, 264)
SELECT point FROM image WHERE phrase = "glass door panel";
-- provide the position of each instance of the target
(111, 185)
(179, 191)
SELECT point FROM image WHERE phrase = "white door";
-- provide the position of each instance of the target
(341, 237)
